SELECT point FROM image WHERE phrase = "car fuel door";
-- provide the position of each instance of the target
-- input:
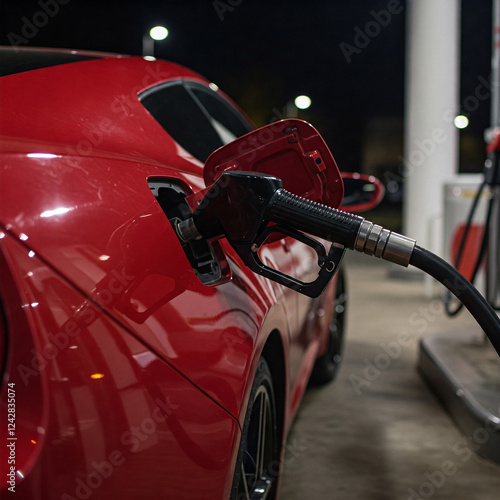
(291, 150)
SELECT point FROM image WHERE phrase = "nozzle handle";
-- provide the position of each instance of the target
(325, 222)
(328, 263)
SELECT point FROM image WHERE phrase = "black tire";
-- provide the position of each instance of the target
(326, 366)
(257, 466)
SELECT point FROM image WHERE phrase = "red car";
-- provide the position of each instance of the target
(134, 366)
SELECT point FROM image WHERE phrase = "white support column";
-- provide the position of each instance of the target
(432, 95)
(495, 66)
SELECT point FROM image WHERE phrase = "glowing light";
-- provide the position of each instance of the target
(34, 304)
(302, 101)
(158, 33)
(41, 155)
(32, 441)
(149, 58)
(23, 237)
(31, 254)
(2, 235)
(97, 376)
(104, 257)
(214, 87)
(461, 121)
(56, 211)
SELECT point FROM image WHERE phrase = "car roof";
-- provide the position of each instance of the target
(17, 60)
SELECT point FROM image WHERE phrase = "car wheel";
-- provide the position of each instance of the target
(326, 366)
(257, 467)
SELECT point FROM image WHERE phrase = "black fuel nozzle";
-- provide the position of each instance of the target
(235, 206)
(247, 208)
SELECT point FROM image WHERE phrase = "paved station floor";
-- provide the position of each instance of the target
(378, 432)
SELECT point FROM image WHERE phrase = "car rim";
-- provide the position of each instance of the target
(256, 480)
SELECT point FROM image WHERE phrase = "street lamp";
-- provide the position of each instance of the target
(148, 40)
(300, 102)
(461, 121)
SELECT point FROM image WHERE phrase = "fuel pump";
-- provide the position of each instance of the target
(459, 363)
(492, 179)
(489, 250)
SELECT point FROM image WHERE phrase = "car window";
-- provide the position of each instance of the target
(176, 111)
(197, 119)
(224, 117)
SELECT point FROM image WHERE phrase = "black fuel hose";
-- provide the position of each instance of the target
(358, 234)
(446, 274)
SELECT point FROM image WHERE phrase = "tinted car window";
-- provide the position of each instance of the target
(220, 111)
(176, 111)
(199, 121)
(16, 61)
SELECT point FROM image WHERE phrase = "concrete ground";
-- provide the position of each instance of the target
(378, 432)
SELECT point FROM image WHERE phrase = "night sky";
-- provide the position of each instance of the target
(264, 53)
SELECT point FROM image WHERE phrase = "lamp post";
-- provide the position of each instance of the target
(148, 40)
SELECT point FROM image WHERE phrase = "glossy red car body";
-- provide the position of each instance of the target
(126, 376)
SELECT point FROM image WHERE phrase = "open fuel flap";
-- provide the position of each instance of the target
(291, 150)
